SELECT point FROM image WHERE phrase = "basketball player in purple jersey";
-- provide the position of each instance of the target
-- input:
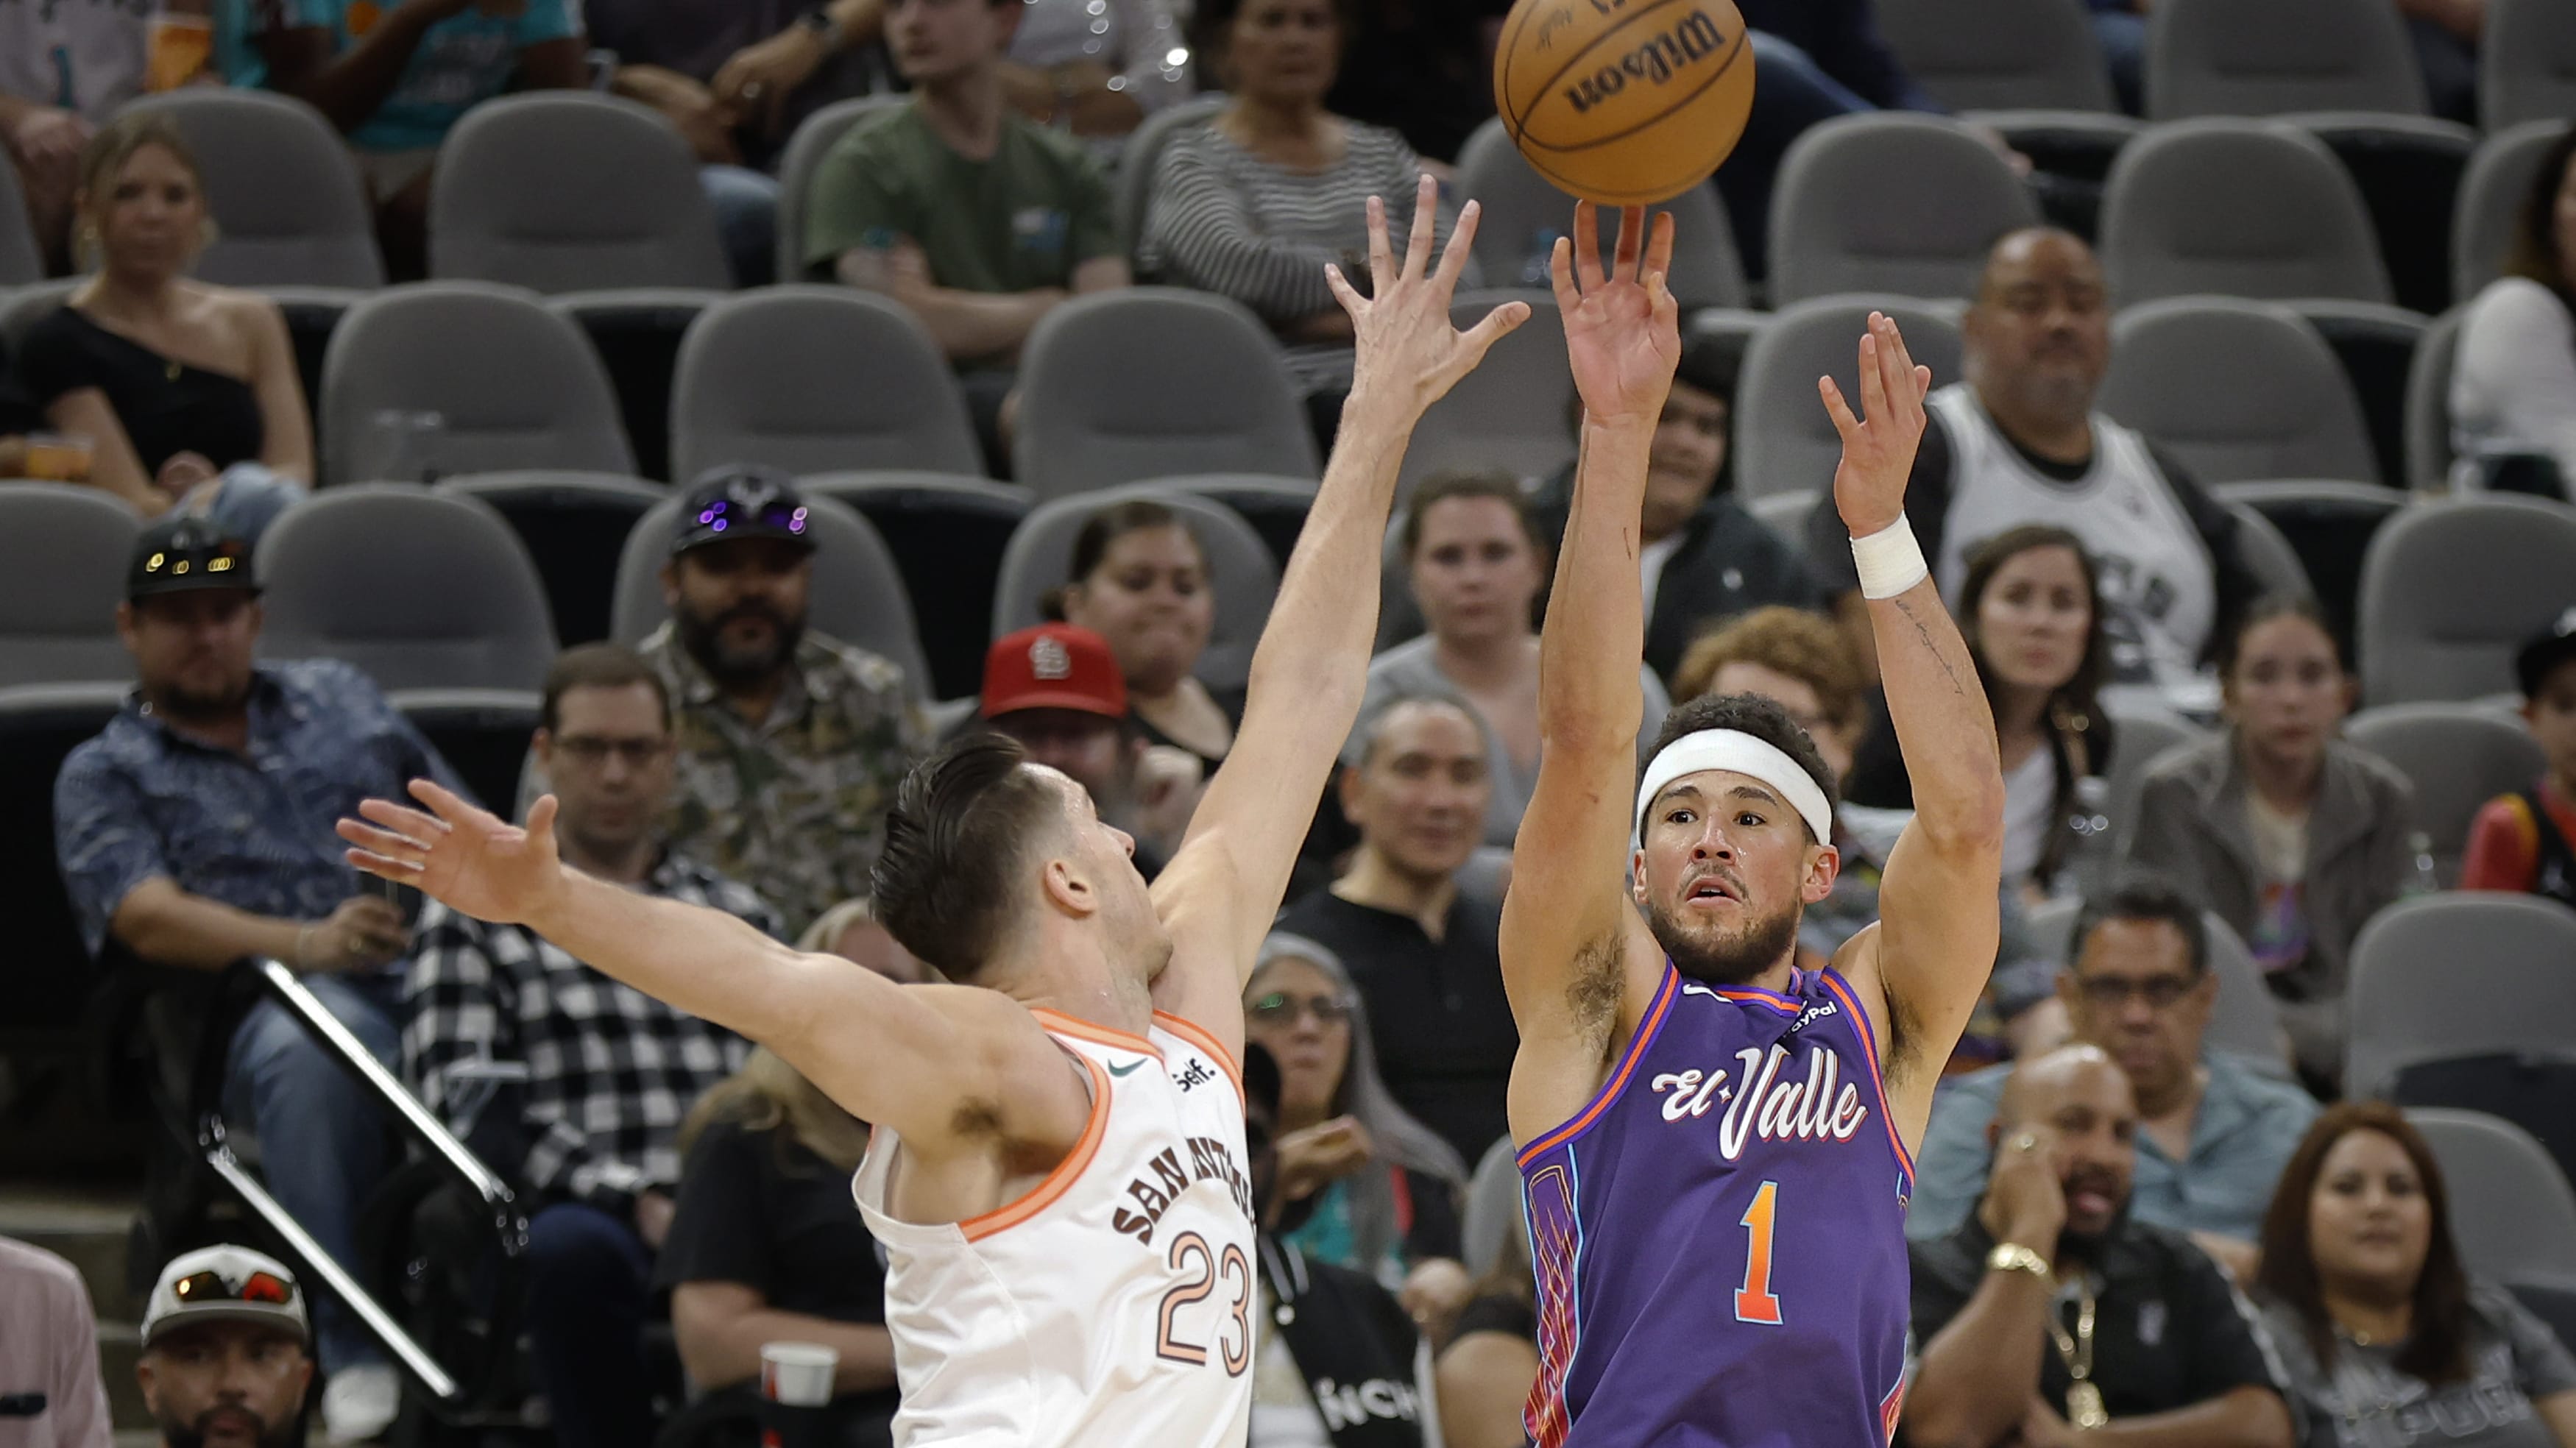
(1715, 1144)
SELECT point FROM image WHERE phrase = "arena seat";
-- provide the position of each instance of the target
(2527, 64)
(63, 556)
(2512, 1212)
(2236, 208)
(564, 191)
(2422, 634)
(1492, 1207)
(1786, 514)
(796, 165)
(947, 533)
(2500, 175)
(574, 526)
(2458, 756)
(1784, 440)
(1521, 214)
(1152, 382)
(421, 590)
(2279, 57)
(515, 386)
(814, 379)
(49, 972)
(637, 333)
(1998, 57)
(1239, 570)
(1514, 412)
(22, 261)
(1890, 202)
(1137, 161)
(2408, 171)
(22, 307)
(2138, 741)
(2428, 404)
(2235, 390)
(2429, 973)
(857, 597)
(2268, 554)
(1275, 507)
(2244, 1022)
(290, 206)
(2329, 525)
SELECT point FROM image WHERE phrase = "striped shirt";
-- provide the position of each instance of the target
(1227, 221)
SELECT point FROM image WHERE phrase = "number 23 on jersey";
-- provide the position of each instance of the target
(1188, 1342)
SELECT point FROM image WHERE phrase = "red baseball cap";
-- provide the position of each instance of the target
(1052, 666)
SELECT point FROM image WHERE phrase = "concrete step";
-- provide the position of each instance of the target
(85, 1225)
(119, 1344)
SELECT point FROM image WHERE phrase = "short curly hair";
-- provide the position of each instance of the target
(1805, 646)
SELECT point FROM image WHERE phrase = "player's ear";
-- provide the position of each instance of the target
(1066, 888)
(1637, 875)
(1824, 866)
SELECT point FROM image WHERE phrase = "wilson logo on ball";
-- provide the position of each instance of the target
(1624, 101)
(1656, 62)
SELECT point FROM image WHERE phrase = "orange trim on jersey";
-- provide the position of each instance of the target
(1192, 1032)
(1067, 1171)
(1842, 991)
(1098, 1035)
(1610, 1089)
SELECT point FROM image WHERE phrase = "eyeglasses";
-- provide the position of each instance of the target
(2110, 992)
(593, 751)
(210, 1286)
(1280, 1008)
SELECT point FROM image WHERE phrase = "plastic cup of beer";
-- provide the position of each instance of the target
(59, 457)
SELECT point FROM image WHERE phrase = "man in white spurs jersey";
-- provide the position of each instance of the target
(1058, 1168)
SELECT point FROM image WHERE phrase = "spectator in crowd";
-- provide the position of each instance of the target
(190, 833)
(188, 393)
(48, 1354)
(1486, 1371)
(1254, 203)
(790, 741)
(2027, 609)
(977, 219)
(1422, 951)
(1703, 555)
(767, 1246)
(1423, 67)
(2521, 840)
(1378, 1190)
(64, 69)
(1337, 1360)
(2293, 836)
(227, 1352)
(396, 77)
(1056, 689)
(1475, 561)
(2513, 389)
(2213, 1134)
(2120, 26)
(2018, 442)
(2155, 1347)
(1140, 580)
(852, 931)
(611, 1071)
(1069, 70)
(2446, 35)
(2384, 1338)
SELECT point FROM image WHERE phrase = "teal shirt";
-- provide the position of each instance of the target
(459, 62)
(2247, 1127)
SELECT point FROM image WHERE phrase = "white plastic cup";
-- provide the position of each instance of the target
(798, 1374)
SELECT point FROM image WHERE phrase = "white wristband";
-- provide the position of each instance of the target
(1889, 561)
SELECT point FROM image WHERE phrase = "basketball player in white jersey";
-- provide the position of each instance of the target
(1058, 1167)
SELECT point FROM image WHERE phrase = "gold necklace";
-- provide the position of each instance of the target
(2084, 1407)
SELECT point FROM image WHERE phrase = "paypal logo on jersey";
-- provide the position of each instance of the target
(1760, 1105)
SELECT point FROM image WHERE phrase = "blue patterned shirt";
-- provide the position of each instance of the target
(252, 830)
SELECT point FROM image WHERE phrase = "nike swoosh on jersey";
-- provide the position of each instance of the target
(1127, 1070)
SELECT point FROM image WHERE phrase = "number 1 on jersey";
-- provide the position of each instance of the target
(1753, 1301)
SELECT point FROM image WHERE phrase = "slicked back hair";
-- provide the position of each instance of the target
(962, 827)
(1758, 716)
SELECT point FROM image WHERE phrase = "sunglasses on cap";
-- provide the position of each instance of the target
(210, 1286)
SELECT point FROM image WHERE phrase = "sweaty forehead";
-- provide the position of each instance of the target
(1714, 784)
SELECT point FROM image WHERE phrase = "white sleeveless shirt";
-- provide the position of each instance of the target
(1113, 1305)
(2159, 587)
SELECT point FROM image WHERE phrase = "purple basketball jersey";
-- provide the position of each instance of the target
(1719, 1235)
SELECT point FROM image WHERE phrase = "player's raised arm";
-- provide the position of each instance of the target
(1935, 942)
(1568, 916)
(1223, 886)
(905, 1056)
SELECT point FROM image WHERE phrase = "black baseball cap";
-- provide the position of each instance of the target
(185, 553)
(2545, 652)
(741, 500)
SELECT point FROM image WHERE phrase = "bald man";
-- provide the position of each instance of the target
(2018, 442)
(2050, 1315)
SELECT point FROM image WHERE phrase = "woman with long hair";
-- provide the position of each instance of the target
(1140, 580)
(2513, 387)
(2386, 1340)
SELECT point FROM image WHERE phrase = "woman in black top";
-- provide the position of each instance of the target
(1140, 580)
(173, 381)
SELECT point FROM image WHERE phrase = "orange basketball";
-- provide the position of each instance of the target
(1624, 102)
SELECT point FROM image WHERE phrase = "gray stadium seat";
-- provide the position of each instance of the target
(2269, 554)
(22, 307)
(796, 165)
(63, 553)
(287, 200)
(566, 191)
(51, 973)
(2278, 57)
(2512, 1212)
(2236, 391)
(857, 596)
(1143, 153)
(419, 589)
(574, 526)
(1275, 507)
(515, 385)
(1512, 412)
(1784, 440)
(22, 261)
(815, 379)
(2462, 973)
(2328, 525)
(1493, 1204)
(2238, 208)
(1149, 382)
(2428, 403)
(2244, 1022)
(1239, 569)
(2139, 741)
(637, 333)
(2491, 196)
(1890, 202)
(2527, 63)
(2452, 588)
(2458, 756)
(947, 533)
(1786, 514)
(2000, 55)
(1522, 214)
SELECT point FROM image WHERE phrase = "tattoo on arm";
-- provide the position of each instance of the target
(1923, 635)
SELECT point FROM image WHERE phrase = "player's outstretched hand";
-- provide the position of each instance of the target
(1623, 330)
(1878, 454)
(471, 859)
(1403, 341)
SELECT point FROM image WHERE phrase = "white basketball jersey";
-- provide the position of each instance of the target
(1113, 1305)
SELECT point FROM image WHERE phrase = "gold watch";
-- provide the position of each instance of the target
(2014, 1257)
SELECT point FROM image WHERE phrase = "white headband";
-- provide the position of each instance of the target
(1739, 753)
